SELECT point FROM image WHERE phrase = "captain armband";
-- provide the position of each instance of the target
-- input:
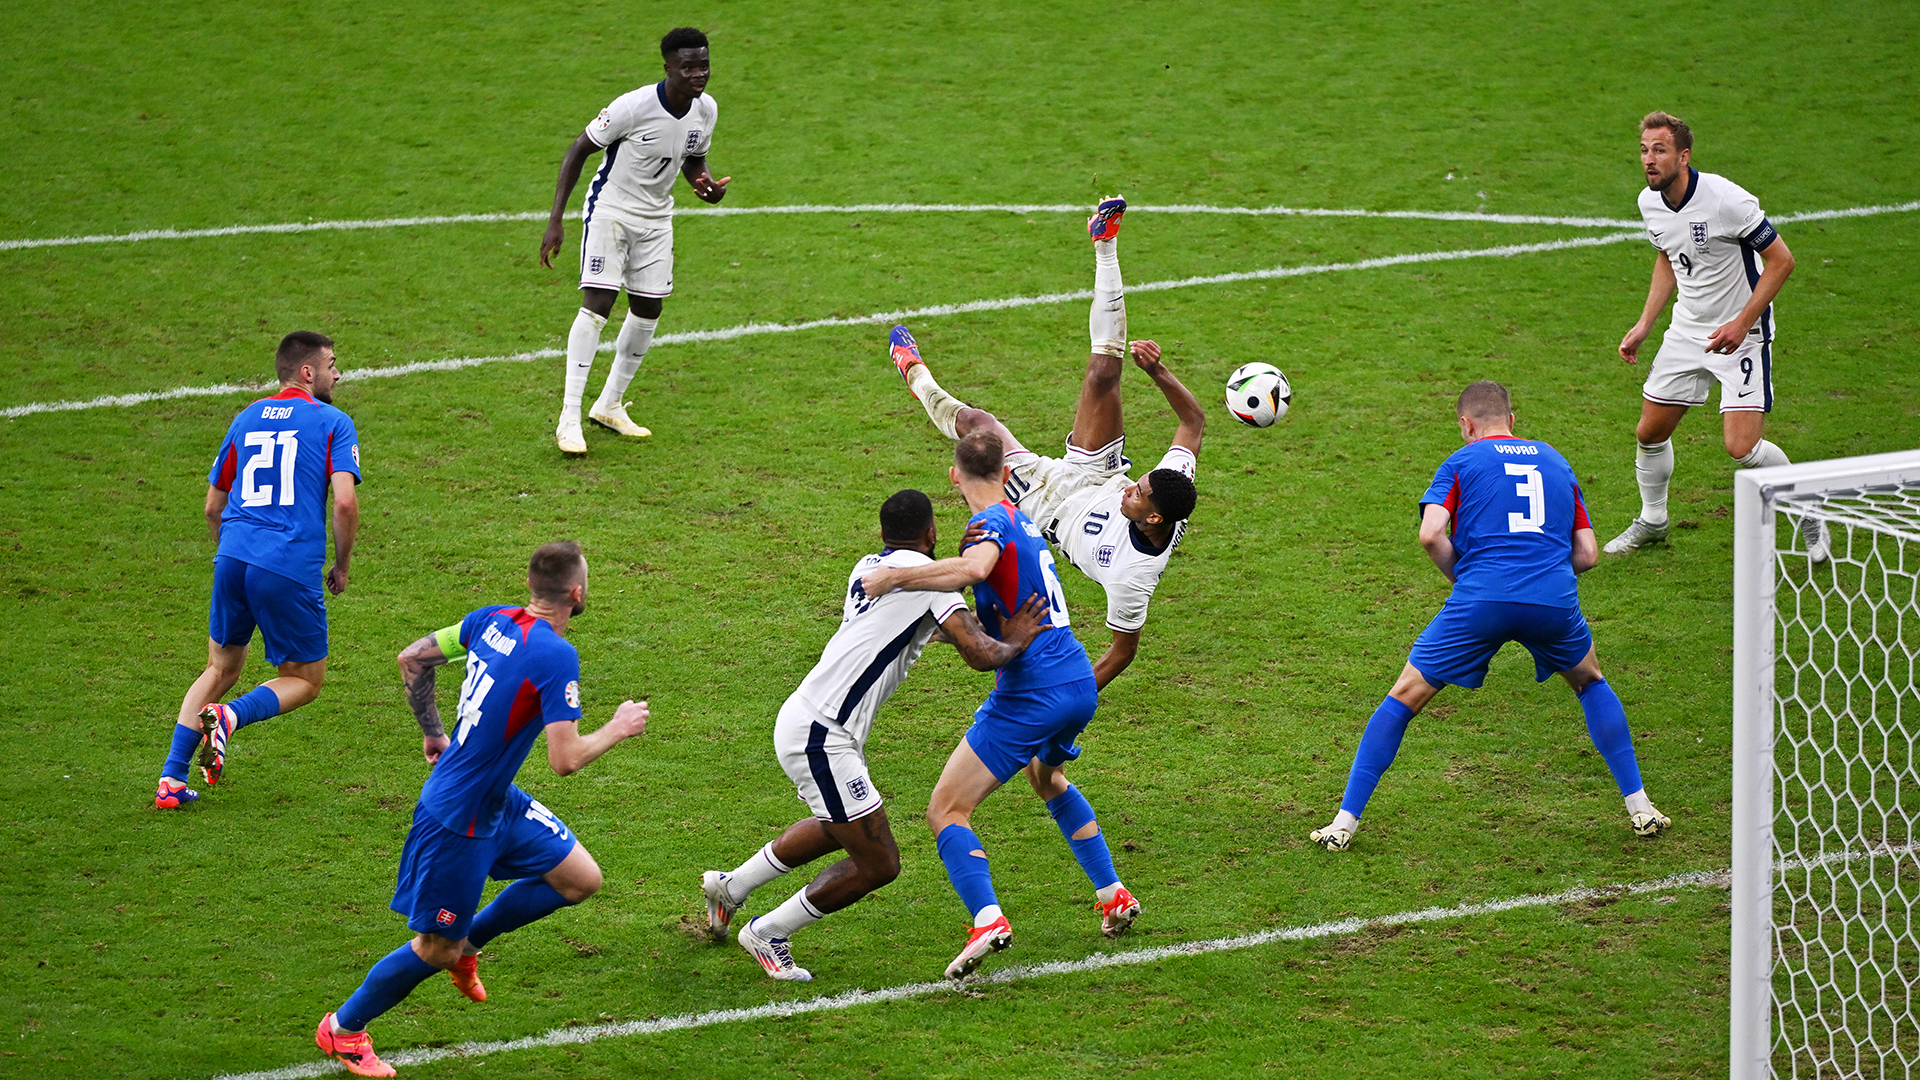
(1760, 238)
(449, 641)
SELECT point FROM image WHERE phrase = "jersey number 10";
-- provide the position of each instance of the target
(263, 444)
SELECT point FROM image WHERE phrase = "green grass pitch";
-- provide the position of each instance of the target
(143, 944)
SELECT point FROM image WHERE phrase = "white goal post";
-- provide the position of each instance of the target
(1826, 772)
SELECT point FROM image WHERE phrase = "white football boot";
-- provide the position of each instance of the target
(569, 436)
(615, 419)
(982, 942)
(1638, 535)
(1338, 833)
(720, 906)
(773, 954)
(1819, 543)
(1649, 822)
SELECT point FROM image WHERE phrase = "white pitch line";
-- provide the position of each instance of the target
(753, 329)
(589, 1033)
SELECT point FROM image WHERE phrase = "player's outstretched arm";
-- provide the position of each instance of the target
(704, 185)
(981, 650)
(417, 664)
(216, 505)
(1434, 538)
(970, 567)
(568, 751)
(1779, 262)
(1120, 652)
(570, 163)
(1659, 292)
(1193, 418)
(346, 525)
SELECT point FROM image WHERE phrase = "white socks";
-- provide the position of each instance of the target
(629, 349)
(1107, 322)
(759, 869)
(582, 343)
(1344, 820)
(1638, 803)
(986, 916)
(1107, 894)
(795, 914)
(1764, 454)
(942, 408)
(1653, 467)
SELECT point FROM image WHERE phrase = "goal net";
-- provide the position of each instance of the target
(1826, 785)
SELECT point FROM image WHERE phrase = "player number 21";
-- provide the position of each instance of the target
(263, 444)
(1534, 492)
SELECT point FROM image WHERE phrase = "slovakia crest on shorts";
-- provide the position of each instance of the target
(1699, 231)
(857, 787)
(573, 694)
(445, 918)
(1105, 555)
(596, 264)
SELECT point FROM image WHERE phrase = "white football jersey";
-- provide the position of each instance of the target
(878, 640)
(1713, 239)
(1097, 539)
(645, 146)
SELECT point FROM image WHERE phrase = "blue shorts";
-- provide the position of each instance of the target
(442, 872)
(1459, 643)
(291, 615)
(1012, 727)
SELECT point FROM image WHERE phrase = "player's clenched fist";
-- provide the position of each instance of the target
(629, 719)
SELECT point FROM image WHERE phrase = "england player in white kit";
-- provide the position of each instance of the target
(1118, 531)
(649, 136)
(821, 737)
(1726, 262)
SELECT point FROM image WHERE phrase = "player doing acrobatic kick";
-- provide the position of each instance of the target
(267, 507)
(821, 739)
(473, 822)
(1118, 531)
(1040, 704)
(1503, 520)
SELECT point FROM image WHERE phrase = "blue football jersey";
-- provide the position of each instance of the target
(276, 465)
(1515, 506)
(521, 676)
(1025, 568)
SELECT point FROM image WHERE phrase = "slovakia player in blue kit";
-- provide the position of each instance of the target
(1042, 701)
(285, 454)
(472, 822)
(1504, 522)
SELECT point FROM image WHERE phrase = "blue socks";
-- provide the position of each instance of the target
(1072, 813)
(1607, 726)
(180, 755)
(517, 905)
(1376, 751)
(967, 871)
(257, 704)
(390, 981)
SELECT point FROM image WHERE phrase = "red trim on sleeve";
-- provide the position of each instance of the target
(526, 706)
(1580, 520)
(228, 468)
(1004, 578)
(329, 473)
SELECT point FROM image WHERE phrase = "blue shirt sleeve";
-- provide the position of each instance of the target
(559, 685)
(996, 521)
(226, 463)
(470, 625)
(343, 451)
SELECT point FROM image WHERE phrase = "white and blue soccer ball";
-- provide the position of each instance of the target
(1258, 394)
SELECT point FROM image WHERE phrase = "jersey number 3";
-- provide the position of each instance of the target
(263, 444)
(1535, 492)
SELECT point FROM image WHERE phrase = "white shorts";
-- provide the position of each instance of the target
(1683, 371)
(633, 255)
(1041, 486)
(824, 762)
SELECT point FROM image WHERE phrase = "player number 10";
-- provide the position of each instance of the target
(254, 493)
(1534, 492)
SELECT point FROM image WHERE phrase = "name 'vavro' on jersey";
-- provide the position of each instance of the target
(878, 640)
(1713, 240)
(646, 144)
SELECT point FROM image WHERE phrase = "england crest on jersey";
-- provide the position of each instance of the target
(1699, 230)
(693, 139)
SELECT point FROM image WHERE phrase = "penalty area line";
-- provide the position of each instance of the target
(879, 318)
(590, 1033)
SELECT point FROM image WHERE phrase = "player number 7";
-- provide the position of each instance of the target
(1534, 492)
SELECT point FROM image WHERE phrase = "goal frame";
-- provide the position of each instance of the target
(1756, 493)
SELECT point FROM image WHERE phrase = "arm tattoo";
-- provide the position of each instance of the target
(420, 698)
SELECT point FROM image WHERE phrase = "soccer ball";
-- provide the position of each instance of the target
(1258, 394)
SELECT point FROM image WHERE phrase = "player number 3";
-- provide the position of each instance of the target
(1534, 492)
